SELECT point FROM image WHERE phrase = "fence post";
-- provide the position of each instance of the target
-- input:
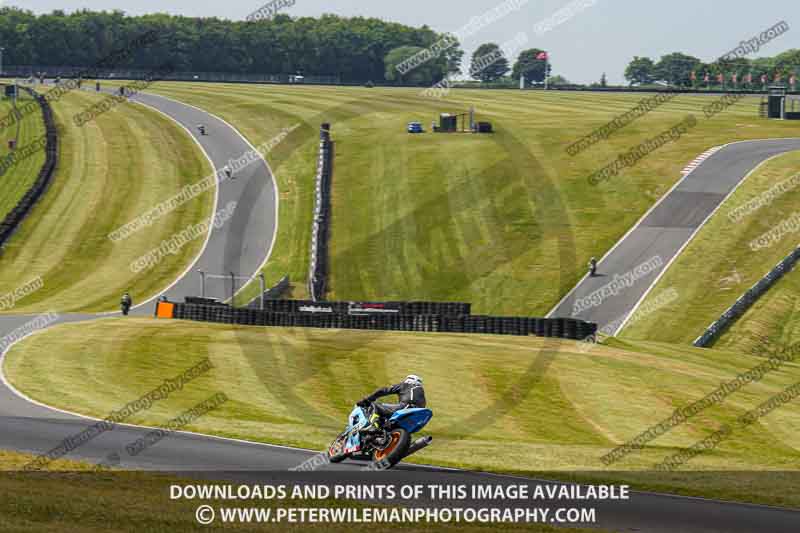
(263, 288)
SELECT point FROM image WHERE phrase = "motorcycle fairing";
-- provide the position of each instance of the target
(411, 419)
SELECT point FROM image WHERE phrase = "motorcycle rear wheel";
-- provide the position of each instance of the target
(395, 450)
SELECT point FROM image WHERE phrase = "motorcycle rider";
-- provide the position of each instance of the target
(410, 393)
(126, 303)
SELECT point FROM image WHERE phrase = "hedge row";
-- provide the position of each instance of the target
(15, 217)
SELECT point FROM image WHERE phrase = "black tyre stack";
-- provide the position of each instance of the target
(397, 316)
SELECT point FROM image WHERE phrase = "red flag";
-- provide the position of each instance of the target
(542, 56)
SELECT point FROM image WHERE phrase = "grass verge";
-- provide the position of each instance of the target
(507, 221)
(110, 171)
(18, 179)
(522, 405)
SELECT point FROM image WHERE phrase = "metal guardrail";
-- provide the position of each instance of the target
(745, 301)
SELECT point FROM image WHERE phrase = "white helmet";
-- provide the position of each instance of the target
(413, 380)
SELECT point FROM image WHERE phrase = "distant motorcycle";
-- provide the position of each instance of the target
(125, 305)
(386, 446)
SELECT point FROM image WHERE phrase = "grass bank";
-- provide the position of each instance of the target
(720, 264)
(110, 171)
(522, 405)
(506, 221)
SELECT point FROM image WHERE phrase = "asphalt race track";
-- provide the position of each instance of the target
(241, 246)
(663, 232)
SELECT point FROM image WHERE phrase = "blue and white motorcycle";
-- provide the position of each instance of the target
(386, 445)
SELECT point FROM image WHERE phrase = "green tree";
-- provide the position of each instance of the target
(488, 63)
(529, 65)
(353, 48)
(640, 70)
(676, 68)
(427, 72)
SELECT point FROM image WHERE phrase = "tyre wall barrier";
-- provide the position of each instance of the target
(318, 264)
(567, 328)
(15, 217)
(745, 301)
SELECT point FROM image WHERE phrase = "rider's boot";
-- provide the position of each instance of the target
(374, 424)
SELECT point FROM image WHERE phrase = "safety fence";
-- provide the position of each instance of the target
(745, 301)
(318, 265)
(15, 217)
(568, 328)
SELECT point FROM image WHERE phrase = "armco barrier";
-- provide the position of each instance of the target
(318, 264)
(746, 300)
(568, 328)
(15, 217)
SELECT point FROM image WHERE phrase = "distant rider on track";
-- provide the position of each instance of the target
(126, 303)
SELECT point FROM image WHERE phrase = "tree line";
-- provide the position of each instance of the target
(356, 49)
(682, 70)
(352, 48)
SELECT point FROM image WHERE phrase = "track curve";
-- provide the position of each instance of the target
(665, 230)
(28, 426)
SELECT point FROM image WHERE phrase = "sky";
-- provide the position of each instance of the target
(601, 37)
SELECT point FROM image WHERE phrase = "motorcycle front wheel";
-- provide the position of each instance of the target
(335, 454)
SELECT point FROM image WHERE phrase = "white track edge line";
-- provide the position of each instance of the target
(625, 236)
(691, 238)
(638, 223)
(271, 175)
(211, 216)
